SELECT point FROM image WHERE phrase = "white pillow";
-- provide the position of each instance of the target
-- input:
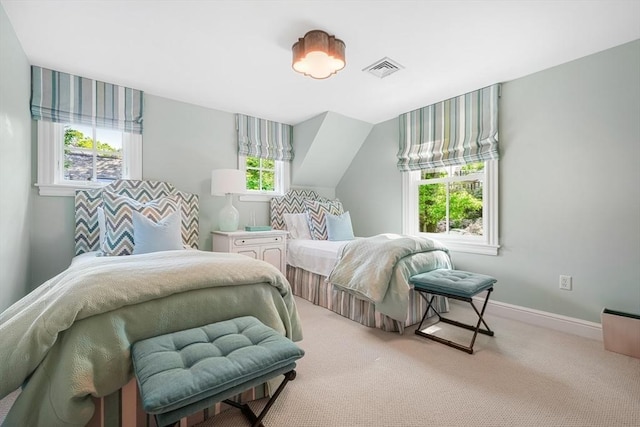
(151, 236)
(102, 227)
(297, 226)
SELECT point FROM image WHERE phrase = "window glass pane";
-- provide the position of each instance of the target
(109, 155)
(108, 166)
(432, 208)
(78, 153)
(253, 162)
(261, 174)
(268, 164)
(433, 173)
(469, 169)
(253, 179)
(268, 181)
(465, 207)
(453, 207)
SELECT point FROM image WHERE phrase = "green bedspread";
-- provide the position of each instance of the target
(69, 339)
(378, 268)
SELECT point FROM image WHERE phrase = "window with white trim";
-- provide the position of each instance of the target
(72, 156)
(265, 177)
(457, 205)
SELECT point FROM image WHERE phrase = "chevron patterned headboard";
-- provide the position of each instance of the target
(87, 235)
(292, 202)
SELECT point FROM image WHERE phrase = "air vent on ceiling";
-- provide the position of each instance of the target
(383, 67)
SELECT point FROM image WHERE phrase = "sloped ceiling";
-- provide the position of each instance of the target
(324, 148)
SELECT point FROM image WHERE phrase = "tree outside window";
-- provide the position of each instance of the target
(450, 200)
(261, 174)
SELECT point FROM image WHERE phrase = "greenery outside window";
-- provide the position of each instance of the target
(72, 156)
(261, 174)
(265, 177)
(457, 205)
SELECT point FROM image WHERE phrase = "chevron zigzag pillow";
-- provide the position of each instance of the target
(118, 213)
(316, 215)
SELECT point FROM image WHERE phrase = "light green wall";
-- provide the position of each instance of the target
(15, 166)
(569, 187)
(371, 190)
(324, 148)
(182, 144)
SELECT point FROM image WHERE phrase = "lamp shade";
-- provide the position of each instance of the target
(228, 181)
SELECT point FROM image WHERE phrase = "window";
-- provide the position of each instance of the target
(261, 174)
(74, 156)
(265, 150)
(457, 205)
(265, 177)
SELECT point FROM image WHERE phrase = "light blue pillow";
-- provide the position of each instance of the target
(339, 227)
(150, 236)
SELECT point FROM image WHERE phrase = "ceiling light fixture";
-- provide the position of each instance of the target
(318, 55)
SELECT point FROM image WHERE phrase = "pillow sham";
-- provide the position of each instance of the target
(118, 212)
(151, 236)
(339, 227)
(297, 225)
(316, 213)
(102, 228)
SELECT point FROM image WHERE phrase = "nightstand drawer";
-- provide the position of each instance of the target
(269, 246)
(253, 241)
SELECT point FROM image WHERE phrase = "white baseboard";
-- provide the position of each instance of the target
(553, 321)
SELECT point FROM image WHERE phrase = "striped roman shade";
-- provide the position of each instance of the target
(65, 98)
(457, 131)
(264, 138)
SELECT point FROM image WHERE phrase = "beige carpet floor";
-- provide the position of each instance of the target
(352, 375)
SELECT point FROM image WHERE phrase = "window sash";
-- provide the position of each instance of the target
(51, 180)
(282, 181)
(488, 244)
(447, 181)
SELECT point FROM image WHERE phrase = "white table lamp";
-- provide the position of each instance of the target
(227, 182)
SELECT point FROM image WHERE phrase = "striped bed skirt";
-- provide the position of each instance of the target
(316, 289)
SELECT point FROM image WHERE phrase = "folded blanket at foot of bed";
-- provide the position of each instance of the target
(378, 268)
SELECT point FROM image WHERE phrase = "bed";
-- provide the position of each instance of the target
(67, 342)
(312, 258)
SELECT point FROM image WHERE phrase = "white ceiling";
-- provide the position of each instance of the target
(235, 56)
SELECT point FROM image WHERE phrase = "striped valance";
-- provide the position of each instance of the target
(65, 98)
(264, 138)
(457, 131)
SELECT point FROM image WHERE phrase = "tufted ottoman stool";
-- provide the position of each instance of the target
(456, 284)
(187, 371)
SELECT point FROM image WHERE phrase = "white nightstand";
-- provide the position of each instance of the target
(269, 246)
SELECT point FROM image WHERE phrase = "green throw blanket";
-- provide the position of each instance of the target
(69, 339)
(378, 268)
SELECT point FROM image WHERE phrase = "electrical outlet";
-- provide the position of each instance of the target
(565, 282)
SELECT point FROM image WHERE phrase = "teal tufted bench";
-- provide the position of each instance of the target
(188, 371)
(456, 284)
